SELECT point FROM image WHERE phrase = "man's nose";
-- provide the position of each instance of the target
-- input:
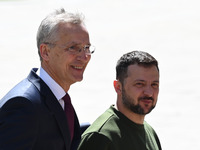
(83, 56)
(148, 91)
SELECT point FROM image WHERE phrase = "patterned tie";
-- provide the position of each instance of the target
(69, 111)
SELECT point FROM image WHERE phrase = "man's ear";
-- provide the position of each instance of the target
(44, 51)
(118, 86)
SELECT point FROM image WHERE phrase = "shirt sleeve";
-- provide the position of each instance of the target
(95, 141)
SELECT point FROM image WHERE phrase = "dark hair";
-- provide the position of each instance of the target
(131, 58)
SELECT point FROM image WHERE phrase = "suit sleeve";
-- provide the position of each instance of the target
(18, 125)
(95, 141)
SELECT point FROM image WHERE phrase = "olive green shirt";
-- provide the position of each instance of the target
(113, 131)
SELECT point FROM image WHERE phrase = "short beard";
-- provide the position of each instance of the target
(129, 103)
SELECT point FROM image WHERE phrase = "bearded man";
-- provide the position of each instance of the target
(122, 127)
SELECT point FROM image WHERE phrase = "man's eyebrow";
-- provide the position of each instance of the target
(72, 43)
(140, 80)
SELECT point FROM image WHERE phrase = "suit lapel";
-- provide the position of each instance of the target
(53, 105)
(59, 114)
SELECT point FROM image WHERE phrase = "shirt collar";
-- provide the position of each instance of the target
(57, 90)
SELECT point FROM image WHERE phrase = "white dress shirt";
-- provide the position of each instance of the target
(57, 90)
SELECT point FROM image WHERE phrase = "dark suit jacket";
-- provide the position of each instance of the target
(33, 119)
